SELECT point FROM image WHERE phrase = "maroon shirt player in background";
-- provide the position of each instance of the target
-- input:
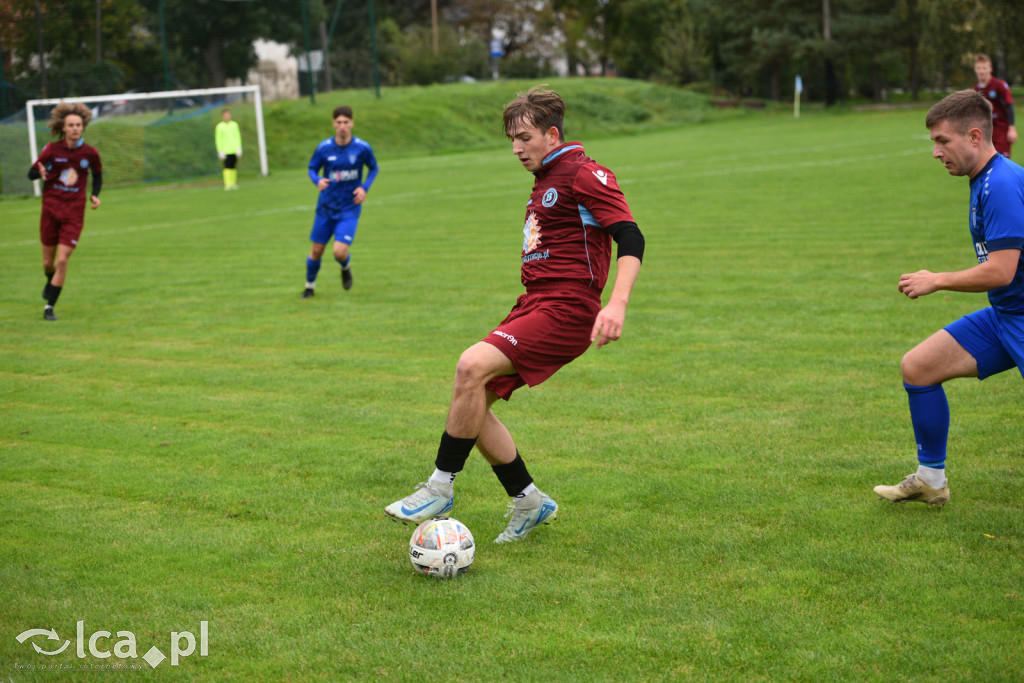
(64, 167)
(997, 92)
(574, 212)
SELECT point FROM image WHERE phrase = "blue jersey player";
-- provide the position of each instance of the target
(342, 192)
(988, 341)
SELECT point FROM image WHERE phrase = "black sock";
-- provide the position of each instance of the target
(49, 274)
(513, 476)
(53, 292)
(453, 453)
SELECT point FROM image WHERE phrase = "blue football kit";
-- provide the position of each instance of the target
(995, 335)
(337, 214)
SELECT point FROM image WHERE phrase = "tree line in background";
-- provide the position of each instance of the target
(864, 48)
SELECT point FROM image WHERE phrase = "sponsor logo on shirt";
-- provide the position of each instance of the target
(602, 176)
(338, 176)
(531, 233)
(537, 256)
(68, 178)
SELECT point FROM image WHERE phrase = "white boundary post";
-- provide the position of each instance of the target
(254, 89)
(260, 135)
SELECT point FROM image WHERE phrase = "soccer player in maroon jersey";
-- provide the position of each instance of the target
(64, 167)
(574, 212)
(1004, 132)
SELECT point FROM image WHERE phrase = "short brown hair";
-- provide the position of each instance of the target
(343, 110)
(982, 57)
(964, 109)
(61, 112)
(536, 107)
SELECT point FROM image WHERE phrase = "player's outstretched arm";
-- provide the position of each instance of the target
(609, 322)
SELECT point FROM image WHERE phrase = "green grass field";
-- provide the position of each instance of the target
(193, 442)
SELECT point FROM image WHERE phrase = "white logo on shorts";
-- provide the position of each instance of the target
(506, 335)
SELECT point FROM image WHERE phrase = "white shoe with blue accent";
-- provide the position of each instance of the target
(528, 513)
(425, 502)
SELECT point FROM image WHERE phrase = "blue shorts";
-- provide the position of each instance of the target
(343, 229)
(996, 340)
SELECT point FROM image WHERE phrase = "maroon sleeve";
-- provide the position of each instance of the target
(43, 155)
(596, 188)
(1007, 97)
(96, 164)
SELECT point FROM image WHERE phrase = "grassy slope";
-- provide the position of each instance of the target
(460, 117)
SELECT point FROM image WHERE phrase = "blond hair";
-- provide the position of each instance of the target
(62, 111)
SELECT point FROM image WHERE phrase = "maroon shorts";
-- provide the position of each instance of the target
(548, 327)
(54, 229)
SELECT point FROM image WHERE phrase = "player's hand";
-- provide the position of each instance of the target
(608, 324)
(95, 202)
(42, 171)
(322, 184)
(918, 284)
(222, 157)
(239, 152)
(1011, 134)
(358, 195)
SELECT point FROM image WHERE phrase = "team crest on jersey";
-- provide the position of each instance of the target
(351, 158)
(550, 197)
(531, 233)
(84, 163)
(602, 176)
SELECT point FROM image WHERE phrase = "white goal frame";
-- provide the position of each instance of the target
(252, 89)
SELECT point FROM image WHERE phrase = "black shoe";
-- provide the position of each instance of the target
(48, 313)
(308, 293)
(346, 278)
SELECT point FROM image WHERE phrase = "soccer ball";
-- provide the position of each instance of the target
(441, 547)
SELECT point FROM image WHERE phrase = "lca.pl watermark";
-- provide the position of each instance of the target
(182, 644)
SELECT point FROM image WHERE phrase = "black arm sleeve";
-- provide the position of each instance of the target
(97, 183)
(1009, 114)
(33, 173)
(629, 239)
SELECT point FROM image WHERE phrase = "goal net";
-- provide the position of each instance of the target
(142, 137)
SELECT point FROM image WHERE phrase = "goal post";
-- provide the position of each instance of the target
(136, 103)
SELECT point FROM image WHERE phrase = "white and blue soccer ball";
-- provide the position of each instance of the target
(442, 547)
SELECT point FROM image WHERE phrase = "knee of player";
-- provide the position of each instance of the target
(470, 371)
(911, 368)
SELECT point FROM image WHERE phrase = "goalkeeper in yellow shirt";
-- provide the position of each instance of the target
(229, 148)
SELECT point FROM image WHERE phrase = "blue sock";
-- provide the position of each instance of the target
(929, 413)
(344, 264)
(312, 268)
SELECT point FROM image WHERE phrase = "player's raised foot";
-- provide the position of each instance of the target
(428, 500)
(346, 278)
(912, 488)
(48, 313)
(528, 513)
(308, 293)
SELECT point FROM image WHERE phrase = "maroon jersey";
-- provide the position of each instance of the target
(67, 172)
(998, 93)
(574, 198)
